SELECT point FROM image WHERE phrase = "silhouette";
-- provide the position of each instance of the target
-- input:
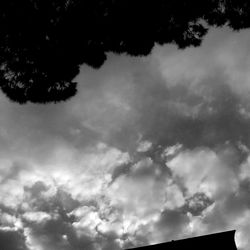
(223, 240)
(43, 42)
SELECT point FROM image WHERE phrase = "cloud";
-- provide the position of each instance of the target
(204, 170)
(157, 99)
(11, 239)
(151, 149)
(172, 225)
(43, 197)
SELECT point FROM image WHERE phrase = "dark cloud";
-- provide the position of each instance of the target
(197, 203)
(12, 240)
(172, 224)
(205, 117)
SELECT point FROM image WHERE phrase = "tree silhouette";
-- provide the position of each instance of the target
(43, 42)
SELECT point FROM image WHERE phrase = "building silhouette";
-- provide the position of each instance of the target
(222, 240)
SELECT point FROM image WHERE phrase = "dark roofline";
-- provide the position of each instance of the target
(227, 237)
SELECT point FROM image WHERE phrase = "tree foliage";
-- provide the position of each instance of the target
(43, 42)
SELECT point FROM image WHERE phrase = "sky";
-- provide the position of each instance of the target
(151, 149)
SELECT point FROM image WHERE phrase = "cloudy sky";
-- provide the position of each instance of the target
(150, 150)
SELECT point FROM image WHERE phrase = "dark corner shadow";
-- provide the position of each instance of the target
(222, 240)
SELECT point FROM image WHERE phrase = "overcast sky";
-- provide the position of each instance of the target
(150, 150)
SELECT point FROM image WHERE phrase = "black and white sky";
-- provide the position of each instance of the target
(150, 150)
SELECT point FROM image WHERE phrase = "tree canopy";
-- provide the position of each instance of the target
(44, 42)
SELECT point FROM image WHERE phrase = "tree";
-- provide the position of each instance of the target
(43, 42)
